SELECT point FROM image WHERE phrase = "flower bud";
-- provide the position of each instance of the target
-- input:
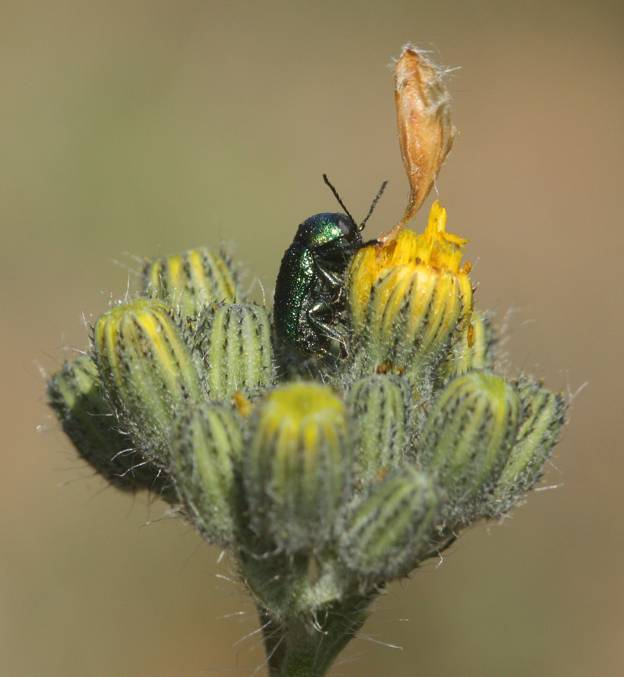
(385, 532)
(206, 449)
(413, 314)
(77, 398)
(234, 342)
(297, 466)
(544, 415)
(467, 437)
(190, 281)
(409, 298)
(146, 369)
(377, 406)
(473, 349)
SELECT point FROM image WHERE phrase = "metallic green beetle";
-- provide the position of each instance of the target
(309, 302)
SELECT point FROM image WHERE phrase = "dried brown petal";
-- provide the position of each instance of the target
(424, 123)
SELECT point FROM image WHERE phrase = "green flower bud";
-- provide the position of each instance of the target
(206, 448)
(468, 435)
(190, 281)
(386, 532)
(540, 428)
(474, 348)
(297, 467)
(77, 398)
(234, 342)
(377, 406)
(146, 369)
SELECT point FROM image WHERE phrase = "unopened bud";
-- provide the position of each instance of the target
(377, 407)
(146, 369)
(386, 532)
(468, 436)
(77, 398)
(234, 343)
(191, 281)
(544, 415)
(297, 467)
(206, 449)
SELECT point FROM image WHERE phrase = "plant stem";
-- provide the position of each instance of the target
(301, 647)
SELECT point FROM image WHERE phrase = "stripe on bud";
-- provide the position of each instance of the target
(234, 343)
(467, 438)
(544, 415)
(474, 348)
(297, 466)
(377, 407)
(146, 368)
(206, 448)
(386, 532)
(77, 398)
(190, 281)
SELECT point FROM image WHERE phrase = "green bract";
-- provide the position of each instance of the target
(233, 343)
(77, 397)
(467, 438)
(391, 528)
(206, 449)
(191, 281)
(380, 439)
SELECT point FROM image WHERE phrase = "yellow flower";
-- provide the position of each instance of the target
(408, 296)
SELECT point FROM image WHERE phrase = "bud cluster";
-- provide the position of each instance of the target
(374, 467)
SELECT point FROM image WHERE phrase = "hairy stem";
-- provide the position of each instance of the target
(307, 646)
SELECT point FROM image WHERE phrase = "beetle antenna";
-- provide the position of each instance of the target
(374, 204)
(340, 202)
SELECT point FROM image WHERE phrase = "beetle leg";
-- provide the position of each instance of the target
(334, 280)
(314, 313)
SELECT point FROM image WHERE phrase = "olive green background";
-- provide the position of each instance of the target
(132, 129)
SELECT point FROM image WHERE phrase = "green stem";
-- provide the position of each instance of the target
(299, 647)
(307, 617)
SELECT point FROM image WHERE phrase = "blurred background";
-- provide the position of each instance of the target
(143, 127)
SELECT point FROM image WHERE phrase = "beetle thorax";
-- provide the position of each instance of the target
(324, 228)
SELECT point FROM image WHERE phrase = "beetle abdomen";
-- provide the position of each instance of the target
(295, 278)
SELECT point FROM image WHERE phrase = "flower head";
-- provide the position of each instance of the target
(408, 296)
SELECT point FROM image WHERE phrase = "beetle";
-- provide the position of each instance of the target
(309, 301)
